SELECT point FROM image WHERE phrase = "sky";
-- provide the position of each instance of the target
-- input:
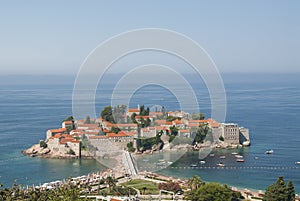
(54, 37)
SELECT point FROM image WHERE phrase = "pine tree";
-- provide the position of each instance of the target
(279, 191)
(291, 191)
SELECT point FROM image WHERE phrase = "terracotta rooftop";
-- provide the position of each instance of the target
(133, 110)
(58, 130)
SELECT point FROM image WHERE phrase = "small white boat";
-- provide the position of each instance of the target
(234, 153)
(271, 151)
(193, 165)
(239, 156)
(298, 163)
(221, 164)
(202, 162)
(212, 155)
(240, 160)
(222, 157)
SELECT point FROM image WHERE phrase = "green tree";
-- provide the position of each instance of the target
(71, 152)
(142, 110)
(110, 182)
(172, 118)
(291, 191)
(195, 182)
(70, 118)
(199, 116)
(201, 133)
(130, 147)
(279, 191)
(115, 129)
(147, 122)
(133, 118)
(88, 120)
(213, 192)
(174, 130)
(163, 110)
(107, 114)
(43, 144)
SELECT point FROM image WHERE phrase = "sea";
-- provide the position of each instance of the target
(267, 104)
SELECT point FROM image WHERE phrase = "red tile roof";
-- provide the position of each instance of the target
(58, 130)
(133, 110)
(144, 117)
(184, 131)
(98, 137)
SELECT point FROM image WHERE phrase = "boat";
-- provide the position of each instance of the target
(256, 157)
(240, 160)
(298, 163)
(193, 165)
(221, 164)
(239, 156)
(202, 162)
(269, 151)
(234, 153)
(222, 157)
(212, 155)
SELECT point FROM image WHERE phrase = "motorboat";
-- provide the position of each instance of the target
(221, 164)
(212, 155)
(222, 157)
(271, 151)
(193, 165)
(298, 163)
(240, 160)
(202, 162)
(239, 156)
(234, 153)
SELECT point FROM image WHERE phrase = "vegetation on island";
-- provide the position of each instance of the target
(201, 133)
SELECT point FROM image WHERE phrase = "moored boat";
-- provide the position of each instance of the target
(271, 151)
(221, 164)
(193, 165)
(298, 162)
(239, 156)
(222, 157)
(240, 160)
(202, 162)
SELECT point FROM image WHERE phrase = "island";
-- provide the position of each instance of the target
(137, 130)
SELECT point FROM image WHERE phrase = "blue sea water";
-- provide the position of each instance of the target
(269, 105)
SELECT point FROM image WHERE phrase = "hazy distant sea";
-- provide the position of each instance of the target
(269, 105)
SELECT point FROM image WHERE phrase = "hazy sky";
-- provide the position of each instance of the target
(54, 37)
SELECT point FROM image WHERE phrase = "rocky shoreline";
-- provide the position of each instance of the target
(37, 151)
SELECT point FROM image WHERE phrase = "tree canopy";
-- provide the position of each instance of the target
(212, 192)
(280, 191)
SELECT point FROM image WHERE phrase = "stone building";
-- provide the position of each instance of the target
(230, 133)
